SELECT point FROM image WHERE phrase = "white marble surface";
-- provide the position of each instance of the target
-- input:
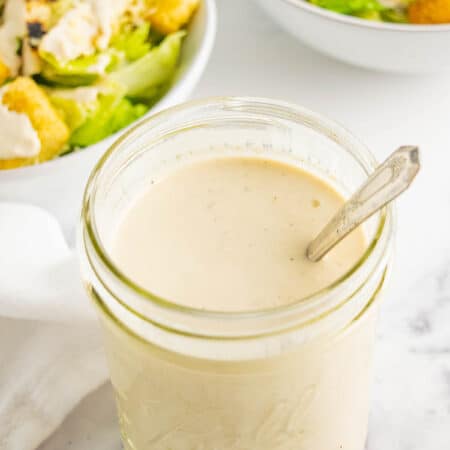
(411, 399)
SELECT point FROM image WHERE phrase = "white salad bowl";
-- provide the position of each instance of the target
(379, 46)
(58, 185)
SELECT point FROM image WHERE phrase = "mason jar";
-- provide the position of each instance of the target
(295, 377)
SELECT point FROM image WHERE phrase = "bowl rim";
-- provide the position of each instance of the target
(190, 77)
(364, 23)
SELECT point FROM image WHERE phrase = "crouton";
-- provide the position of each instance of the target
(4, 72)
(429, 11)
(23, 95)
(6, 164)
(168, 16)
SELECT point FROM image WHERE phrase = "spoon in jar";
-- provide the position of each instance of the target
(388, 181)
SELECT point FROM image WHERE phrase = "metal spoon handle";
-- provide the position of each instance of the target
(389, 180)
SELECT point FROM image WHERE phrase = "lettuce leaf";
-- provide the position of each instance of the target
(394, 15)
(148, 75)
(113, 113)
(350, 7)
(82, 71)
(73, 112)
(58, 8)
(95, 112)
(134, 44)
(365, 9)
(137, 74)
(77, 104)
(126, 113)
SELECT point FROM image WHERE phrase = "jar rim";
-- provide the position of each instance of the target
(318, 123)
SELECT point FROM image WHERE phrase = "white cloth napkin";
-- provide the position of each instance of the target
(50, 349)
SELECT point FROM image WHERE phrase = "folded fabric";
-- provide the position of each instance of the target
(39, 273)
(50, 350)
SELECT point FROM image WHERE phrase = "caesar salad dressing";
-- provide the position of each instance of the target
(244, 220)
(19, 138)
(83, 94)
(73, 35)
(108, 13)
(83, 29)
(230, 234)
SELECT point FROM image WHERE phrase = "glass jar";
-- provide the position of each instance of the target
(295, 377)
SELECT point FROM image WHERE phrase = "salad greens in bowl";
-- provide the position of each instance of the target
(391, 11)
(66, 118)
(402, 36)
(74, 72)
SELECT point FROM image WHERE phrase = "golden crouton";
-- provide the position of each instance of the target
(168, 16)
(429, 11)
(4, 72)
(23, 95)
(6, 164)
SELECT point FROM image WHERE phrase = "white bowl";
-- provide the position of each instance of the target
(58, 185)
(374, 45)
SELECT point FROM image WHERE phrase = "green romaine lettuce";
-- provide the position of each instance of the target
(113, 113)
(137, 75)
(148, 75)
(134, 44)
(58, 8)
(365, 9)
(77, 104)
(78, 72)
(126, 113)
(74, 113)
(350, 7)
(394, 15)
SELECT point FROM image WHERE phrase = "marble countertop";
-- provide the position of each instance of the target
(411, 398)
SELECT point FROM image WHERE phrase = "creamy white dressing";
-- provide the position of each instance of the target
(31, 63)
(74, 35)
(100, 66)
(19, 138)
(394, 3)
(83, 30)
(84, 94)
(234, 227)
(231, 235)
(107, 13)
(13, 29)
(137, 9)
